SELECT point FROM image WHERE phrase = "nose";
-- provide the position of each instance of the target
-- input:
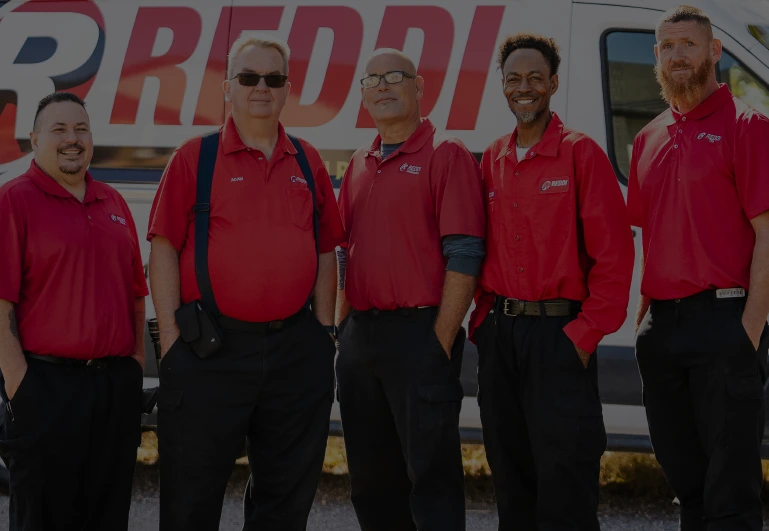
(71, 137)
(524, 86)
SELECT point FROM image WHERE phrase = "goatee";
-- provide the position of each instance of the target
(687, 91)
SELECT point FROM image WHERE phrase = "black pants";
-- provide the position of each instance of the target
(69, 438)
(542, 423)
(271, 391)
(704, 397)
(400, 398)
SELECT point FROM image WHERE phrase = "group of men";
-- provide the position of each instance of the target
(247, 288)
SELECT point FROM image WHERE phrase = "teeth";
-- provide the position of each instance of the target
(524, 102)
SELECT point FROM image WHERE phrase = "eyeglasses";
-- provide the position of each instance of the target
(251, 79)
(395, 76)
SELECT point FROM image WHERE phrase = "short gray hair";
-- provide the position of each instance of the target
(246, 39)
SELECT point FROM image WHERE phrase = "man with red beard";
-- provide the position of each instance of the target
(699, 189)
(555, 281)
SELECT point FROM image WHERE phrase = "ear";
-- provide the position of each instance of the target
(33, 137)
(554, 84)
(656, 52)
(226, 88)
(420, 85)
(716, 48)
(288, 88)
(363, 97)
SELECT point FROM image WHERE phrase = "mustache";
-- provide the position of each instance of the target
(679, 64)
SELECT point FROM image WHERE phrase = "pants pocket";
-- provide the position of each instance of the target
(439, 406)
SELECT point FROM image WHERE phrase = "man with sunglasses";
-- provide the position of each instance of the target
(412, 208)
(271, 385)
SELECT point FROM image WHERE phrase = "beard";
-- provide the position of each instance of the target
(71, 169)
(688, 91)
(527, 117)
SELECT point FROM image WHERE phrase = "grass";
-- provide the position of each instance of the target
(622, 474)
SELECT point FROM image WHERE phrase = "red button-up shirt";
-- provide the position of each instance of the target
(73, 270)
(696, 180)
(557, 229)
(261, 244)
(395, 213)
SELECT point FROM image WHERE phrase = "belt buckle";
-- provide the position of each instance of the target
(506, 306)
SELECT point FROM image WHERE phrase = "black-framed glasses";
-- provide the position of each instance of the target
(392, 77)
(252, 79)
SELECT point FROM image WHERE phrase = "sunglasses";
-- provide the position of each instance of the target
(251, 79)
(393, 77)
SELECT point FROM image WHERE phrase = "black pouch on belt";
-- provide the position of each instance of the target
(199, 329)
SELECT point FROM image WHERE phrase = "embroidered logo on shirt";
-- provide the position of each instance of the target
(236, 179)
(408, 168)
(295, 179)
(492, 195)
(117, 219)
(553, 186)
(711, 138)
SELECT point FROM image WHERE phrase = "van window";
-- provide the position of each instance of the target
(633, 95)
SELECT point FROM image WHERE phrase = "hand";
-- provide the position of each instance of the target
(583, 356)
(139, 357)
(166, 340)
(753, 331)
(13, 379)
(445, 343)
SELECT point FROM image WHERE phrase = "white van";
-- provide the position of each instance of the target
(150, 72)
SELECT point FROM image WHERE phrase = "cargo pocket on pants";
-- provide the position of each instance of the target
(439, 408)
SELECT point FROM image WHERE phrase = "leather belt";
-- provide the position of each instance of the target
(550, 308)
(262, 328)
(97, 363)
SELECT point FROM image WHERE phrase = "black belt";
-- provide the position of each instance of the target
(709, 296)
(262, 328)
(97, 363)
(550, 308)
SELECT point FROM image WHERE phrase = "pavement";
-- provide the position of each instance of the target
(333, 511)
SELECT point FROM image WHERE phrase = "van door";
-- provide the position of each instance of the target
(613, 95)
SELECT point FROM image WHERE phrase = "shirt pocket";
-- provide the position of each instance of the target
(300, 207)
(554, 211)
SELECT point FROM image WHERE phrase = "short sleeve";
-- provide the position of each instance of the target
(12, 236)
(170, 213)
(634, 203)
(458, 193)
(751, 166)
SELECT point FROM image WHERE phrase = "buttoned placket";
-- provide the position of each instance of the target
(515, 188)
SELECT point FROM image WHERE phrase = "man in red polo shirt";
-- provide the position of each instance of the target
(72, 294)
(412, 208)
(556, 280)
(699, 189)
(272, 383)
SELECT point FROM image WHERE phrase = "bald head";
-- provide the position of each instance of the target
(390, 57)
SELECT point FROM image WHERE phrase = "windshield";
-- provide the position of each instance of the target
(761, 33)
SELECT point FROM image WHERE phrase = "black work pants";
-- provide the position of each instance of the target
(704, 396)
(400, 398)
(69, 438)
(542, 423)
(273, 392)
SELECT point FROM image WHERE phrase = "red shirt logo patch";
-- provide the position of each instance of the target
(554, 186)
(118, 219)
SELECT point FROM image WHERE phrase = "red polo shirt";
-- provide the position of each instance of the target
(395, 213)
(72, 269)
(696, 180)
(557, 229)
(262, 260)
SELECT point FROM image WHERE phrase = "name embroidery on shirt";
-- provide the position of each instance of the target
(711, 138)
(295, 179)
(236, 179)
(409, 168)
(117, 219)
(553, 186)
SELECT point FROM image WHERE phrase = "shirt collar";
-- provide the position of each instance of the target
(414, 143)
(231, 141)
(547, 146)
(714, 102)
(48, 185)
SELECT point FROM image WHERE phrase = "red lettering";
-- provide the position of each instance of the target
(475, 67)
(185, 23)
(9, 147)
(232, 22)
(347, 25)
(438, 27)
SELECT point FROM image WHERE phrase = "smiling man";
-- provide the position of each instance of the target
(699, 189)
(72, 291)
(556, 280)
(412, 208)
(268, 300)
